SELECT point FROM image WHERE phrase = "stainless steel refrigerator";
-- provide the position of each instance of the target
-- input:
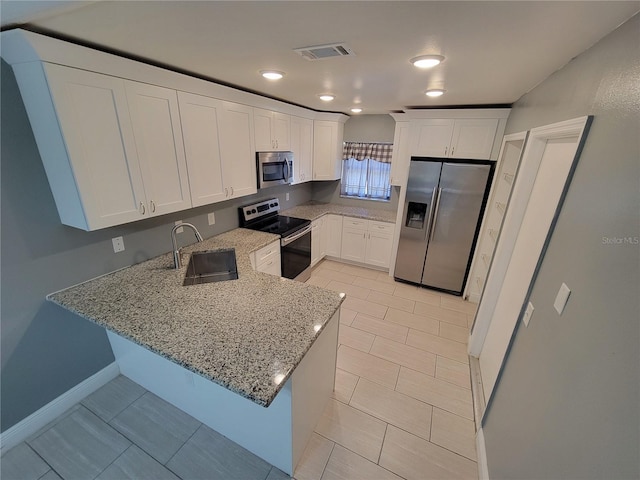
(442, 212)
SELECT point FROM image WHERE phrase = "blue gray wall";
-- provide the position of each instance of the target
(567, 404)
(46, 350)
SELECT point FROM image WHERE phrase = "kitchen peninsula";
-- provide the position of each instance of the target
(263, 348)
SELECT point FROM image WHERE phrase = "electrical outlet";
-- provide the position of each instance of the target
(527, 314)
(211, 218)
(118, 244)
(287, 196)
(180, 230)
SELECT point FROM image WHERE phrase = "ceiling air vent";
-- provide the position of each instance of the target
(325, 51)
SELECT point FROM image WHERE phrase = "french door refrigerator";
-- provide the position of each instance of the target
(442, 212)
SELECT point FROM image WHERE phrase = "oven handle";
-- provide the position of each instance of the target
(286, 241)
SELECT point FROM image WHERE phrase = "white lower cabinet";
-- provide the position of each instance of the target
(367, 241)
(379, 243)
(318, 240)
(333, 233)
(354, 239)
(267, 259)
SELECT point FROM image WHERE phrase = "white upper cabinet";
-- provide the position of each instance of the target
(460, 138)
(401, 157)
(272, 130)
(302, 148)
(327, 149)
(158, 137)
(237, 150)
(473, 138)
(201, 118)
(95, 177)
(433, 137)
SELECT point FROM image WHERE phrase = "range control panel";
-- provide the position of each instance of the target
(258, 210)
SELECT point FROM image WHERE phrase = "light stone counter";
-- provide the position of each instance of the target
(241, 334)
(313, 210)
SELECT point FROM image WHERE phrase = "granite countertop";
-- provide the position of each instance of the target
(247, 335)
(313, 210)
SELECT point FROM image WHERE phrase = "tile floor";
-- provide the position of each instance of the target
(402, 406)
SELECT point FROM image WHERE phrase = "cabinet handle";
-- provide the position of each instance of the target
(142, 209)
(226, 192)
(231, 191)
(153, 206)
(452, 150)
(445, 151)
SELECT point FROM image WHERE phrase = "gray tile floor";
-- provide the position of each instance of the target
(124, 432)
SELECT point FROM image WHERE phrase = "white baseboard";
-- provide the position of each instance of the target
(40, 418)
(481, 451)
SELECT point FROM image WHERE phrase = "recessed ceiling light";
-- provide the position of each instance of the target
(427, 61)
(272, 74)
(434, 92)
(326, 97)
(356, 110)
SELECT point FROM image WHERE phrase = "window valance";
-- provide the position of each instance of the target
(380, 152)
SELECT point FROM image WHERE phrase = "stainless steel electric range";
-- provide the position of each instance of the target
(295, 235)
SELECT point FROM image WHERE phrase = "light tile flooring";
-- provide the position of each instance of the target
(402, 406)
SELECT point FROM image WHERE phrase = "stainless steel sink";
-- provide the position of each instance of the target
(211, 266)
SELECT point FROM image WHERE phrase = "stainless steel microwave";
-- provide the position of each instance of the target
(274, 168)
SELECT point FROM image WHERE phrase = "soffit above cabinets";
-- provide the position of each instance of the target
(495, 51)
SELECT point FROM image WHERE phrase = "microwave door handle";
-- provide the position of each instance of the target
(285, 170)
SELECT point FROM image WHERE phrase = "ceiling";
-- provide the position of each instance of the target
(494, 51)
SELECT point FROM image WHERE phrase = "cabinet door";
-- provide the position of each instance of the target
(401, 157)
(201, 118)
(281, 128)
(378, 250)
(432, 138)
(316, 240)
(353, 244)
(302, 147)
(262, 120)
(272, 267)
(333, 231)
(237, 150)
(327, 149)
(94, 119)
(473, 138)
(158, 135)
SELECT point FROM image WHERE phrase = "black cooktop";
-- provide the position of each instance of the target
(279, 224)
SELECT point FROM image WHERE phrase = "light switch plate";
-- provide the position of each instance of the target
(287, 196)
(527, 314)
(118, 244)
(211, 218)
(179, 230)
(561, 298)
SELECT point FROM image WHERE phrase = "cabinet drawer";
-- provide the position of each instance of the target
(381, 227)
(356, 223)
(265, 254)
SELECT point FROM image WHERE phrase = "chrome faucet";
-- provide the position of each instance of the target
(177, 262)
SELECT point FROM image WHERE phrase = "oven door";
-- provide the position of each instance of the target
(274, 168)
(295, 254)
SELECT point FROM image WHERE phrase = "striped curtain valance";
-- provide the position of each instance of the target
(363, 151)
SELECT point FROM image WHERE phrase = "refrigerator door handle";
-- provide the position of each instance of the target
(427, 229)
(435, 215)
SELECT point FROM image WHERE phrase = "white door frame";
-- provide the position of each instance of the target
(527, 172)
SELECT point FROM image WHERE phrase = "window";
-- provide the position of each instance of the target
(366, 169)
